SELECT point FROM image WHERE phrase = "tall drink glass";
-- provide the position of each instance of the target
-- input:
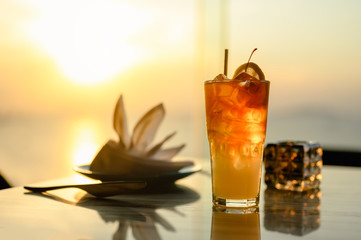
(236, 114)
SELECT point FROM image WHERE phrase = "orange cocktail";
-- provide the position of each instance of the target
(236, 114)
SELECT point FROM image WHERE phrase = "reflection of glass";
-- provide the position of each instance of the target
(297, 213)
(235, 226)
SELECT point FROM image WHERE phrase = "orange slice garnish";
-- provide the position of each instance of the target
(252, 69)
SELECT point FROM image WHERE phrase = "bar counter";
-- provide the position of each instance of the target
(184, 211)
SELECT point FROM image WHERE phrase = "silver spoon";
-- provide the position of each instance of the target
(103, 189)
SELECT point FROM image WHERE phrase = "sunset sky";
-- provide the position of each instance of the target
(76, 57)
(91, 51)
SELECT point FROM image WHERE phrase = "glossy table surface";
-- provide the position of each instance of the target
(184, 211)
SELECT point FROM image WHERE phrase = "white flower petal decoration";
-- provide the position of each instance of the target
(151, 152)
(120, 123)
(134, 154)
(169, 153)
(146, 128)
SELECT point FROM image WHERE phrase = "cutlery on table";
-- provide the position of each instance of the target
(103, 189)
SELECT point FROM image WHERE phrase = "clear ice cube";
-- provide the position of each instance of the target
(220, 77)
(245, 77)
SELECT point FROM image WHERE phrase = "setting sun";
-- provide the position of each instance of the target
(92, 44)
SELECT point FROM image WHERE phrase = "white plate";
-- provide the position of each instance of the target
(150, 179)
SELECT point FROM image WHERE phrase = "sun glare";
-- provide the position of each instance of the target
(84, 142)
(89, 42)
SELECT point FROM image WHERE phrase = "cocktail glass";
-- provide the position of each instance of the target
(236, 114)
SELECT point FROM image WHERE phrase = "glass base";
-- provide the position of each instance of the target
(248, 210)
(247, 204)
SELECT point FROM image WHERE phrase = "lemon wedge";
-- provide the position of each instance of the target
(252, 69)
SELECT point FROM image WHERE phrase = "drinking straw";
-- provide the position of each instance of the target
(225, 61)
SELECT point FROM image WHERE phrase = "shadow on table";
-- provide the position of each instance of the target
(296, 213)
(136, 212)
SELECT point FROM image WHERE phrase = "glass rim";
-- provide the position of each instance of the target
(232, 80)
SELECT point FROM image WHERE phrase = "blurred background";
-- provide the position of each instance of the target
(63, 65)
